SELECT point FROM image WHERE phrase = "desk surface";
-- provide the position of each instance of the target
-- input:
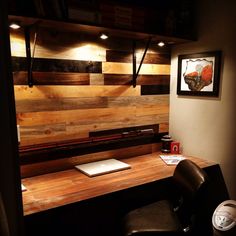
(61, 188)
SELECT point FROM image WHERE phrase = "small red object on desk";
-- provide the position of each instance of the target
(174, 147)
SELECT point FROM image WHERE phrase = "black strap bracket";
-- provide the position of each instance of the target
(29, 57)
(135, 71)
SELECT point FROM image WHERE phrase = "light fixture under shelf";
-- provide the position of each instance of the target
(15, 25)
(103, 36)
(161, 44)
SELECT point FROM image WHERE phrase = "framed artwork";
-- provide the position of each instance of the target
(199, 74)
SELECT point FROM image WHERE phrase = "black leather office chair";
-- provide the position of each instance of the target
(178, 216)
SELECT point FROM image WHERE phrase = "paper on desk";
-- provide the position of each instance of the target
(172, 159)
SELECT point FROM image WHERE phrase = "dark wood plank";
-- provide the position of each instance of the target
(116, 79)
(52, 78)
(125, 56)
(154, 128)
(57, 65)
(155, 89)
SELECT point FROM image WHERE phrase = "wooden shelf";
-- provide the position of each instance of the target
(75, 27)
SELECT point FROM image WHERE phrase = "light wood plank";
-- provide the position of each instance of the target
(44, 92)
(88, 116)
(126, 56)
(96, 79)
(127, 68)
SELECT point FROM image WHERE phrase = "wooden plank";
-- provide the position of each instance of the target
(164, 127)
(46, 92)
(84, 116)
(118, 79)
(66, 187)
(17, 43)
(57, 65)
(96, 79)
(47, 104)
(138, 101)
(127, 68)
(126, 56)
(88, 116)
(42, 130)
(51, 78)
(37, 105)
(155, 89)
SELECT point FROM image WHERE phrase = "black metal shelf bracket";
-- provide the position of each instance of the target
(29, 58)
(135, 71)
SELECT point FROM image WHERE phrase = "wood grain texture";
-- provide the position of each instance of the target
(45, 92)
(126, 56)
(55, 104)
(116, 79)
(61, 188)
(126, 68)
(56, 65)
(52, 78)
(64, 131)
(88, 116)
(73, 94)
(38, 105)
(96, 79)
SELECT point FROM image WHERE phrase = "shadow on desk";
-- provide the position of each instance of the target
(103, 215)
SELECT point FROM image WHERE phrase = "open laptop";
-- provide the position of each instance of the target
(102, 167)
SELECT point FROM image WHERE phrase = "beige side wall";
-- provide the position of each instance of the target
(206, 127)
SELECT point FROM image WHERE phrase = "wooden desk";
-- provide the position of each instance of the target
(61, 188)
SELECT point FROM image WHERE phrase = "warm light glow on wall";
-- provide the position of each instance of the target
(89, 52)
(17, 45)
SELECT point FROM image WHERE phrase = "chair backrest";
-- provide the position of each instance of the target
(191, 183)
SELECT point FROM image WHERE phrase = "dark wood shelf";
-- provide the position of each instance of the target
(75, 27)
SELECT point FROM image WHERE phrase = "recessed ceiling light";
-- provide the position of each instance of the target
(161, 44)
(15, 25)
(103, 36)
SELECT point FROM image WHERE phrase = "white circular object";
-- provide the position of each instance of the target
(224, 216)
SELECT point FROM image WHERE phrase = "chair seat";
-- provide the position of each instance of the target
(154, 219)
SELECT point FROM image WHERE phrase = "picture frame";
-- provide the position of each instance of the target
(199, 74)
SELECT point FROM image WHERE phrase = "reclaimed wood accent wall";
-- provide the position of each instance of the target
(83, 85)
